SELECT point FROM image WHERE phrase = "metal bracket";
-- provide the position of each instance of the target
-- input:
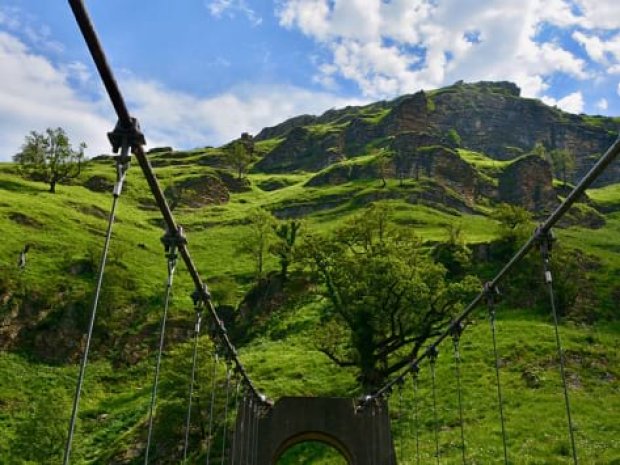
(131, 135)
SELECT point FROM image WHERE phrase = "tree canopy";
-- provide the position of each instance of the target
(50, 157)
(385, 295)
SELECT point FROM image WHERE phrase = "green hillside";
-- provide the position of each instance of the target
(44, 307)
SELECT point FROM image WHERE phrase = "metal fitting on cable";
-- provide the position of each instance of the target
(545, 240)
(456, 330)
(415, 370)
(491, 293)
(121, 133)
(197, 296)
(172, 241)
(432, 353)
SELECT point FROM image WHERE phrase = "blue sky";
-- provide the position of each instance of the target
(200, 72)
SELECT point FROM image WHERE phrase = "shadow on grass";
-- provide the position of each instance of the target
(18, 187)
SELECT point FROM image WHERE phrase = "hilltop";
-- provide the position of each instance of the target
(445, 157)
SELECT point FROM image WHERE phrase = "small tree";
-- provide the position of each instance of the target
(50, 157)
(257, 241)
(563, 163)
(283, 248)
(239, 154)
(383, 166)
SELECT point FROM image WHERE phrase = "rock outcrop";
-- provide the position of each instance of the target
(528, 183)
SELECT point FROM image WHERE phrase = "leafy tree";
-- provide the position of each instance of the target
(239, 154)
(50, 157)
(286, 233)
(453, 253)
(257, 241)
(385, 295)
(563, 162)
(515, 223)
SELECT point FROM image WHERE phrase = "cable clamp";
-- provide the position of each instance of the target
(130, 136)
(545, 241)
(432, 353)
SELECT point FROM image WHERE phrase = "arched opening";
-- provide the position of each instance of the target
(312, 448)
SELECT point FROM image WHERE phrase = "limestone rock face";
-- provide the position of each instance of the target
(528, 182)
(303, 150)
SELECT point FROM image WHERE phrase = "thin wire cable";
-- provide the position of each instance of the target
(373, 443)
(191, 384)
(162, 334)
(432, 358)
(225, 424)
(122, 166)
(256, 420)
(234, 436)
(546, 250)
(414, 379)
(456, 337)
(210, 432)
(250, 429)
(400, 417)
(491, 308)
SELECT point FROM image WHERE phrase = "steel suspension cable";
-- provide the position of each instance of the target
(414, 380)
(225, 424)
(122, 165)
(608, 157)
(545, 249)
(491, 293)
(257, 414)
(432, 359)
(236, 407)
(401, 416)
(456, 337)
(128, 127)
(192, 381)
(171, 256)
(212, 404)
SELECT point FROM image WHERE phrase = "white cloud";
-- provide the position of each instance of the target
(602, 104)
(35, 95)
(572, 103)
(175, 118)
(231, 7)
(388, 48)
(600, 14)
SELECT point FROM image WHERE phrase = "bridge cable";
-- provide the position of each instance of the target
(400, 417)
(491, 293)
(122, 165)
(456, 337)
(546, 243)
(432, 359)
(198, 310)
(415, 371)
(127, 126)
(242, 428)
(212, 403)
(225, 424)
(257, 410)
(575, 195)
(171, 242)
(236, 409)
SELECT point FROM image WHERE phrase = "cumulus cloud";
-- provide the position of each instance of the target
(219, 8)
(36, 94)
(169, 117)
(400, 46)
(572, 103)
(602, 104)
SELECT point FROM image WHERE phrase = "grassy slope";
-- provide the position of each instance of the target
(284, 362)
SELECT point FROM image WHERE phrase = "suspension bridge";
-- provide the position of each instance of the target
(262, 430)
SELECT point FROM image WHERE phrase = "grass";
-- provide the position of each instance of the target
(66, 228)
